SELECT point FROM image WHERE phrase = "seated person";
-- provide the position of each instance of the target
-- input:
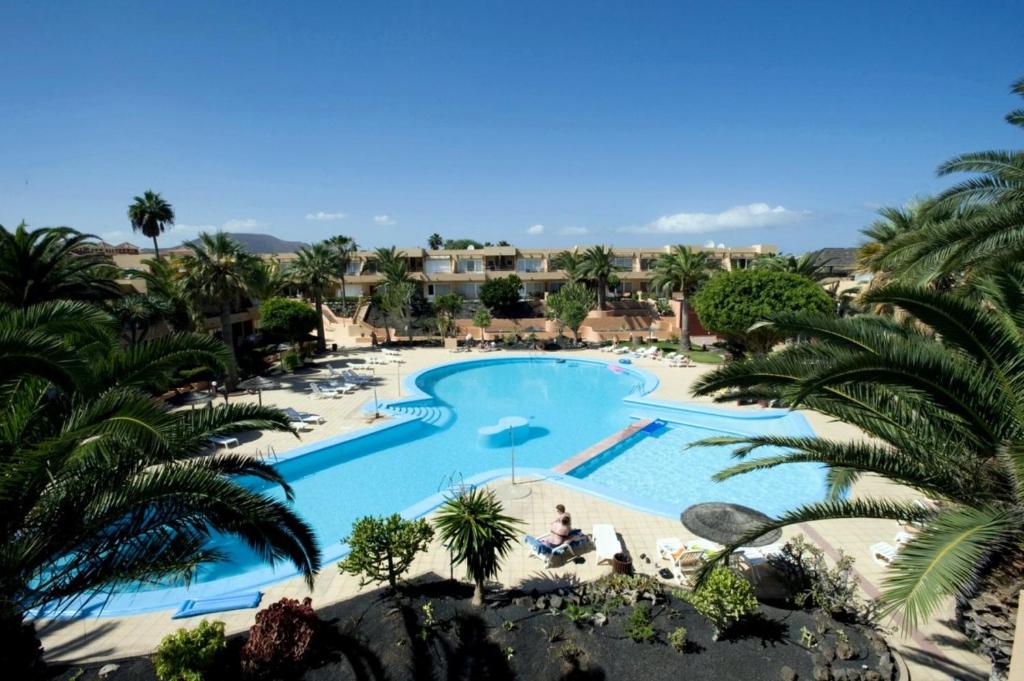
(561, 528)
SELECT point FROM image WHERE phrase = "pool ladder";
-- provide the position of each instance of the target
(271, 453)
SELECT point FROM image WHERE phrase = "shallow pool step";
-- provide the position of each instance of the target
(431, 414)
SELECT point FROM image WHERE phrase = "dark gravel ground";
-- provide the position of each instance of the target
(371, 638)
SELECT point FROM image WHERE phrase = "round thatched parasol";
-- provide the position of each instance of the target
(725, 523)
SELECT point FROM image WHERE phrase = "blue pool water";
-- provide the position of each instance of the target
(569, 405)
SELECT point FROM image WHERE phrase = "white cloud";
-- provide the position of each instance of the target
(324, 216)
(535, 229)
(242, 225)
(184, 231)
(750, 216)
(384, 219)
(573, 231)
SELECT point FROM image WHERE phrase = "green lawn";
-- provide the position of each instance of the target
(698, 356)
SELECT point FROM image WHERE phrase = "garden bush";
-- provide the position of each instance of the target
(382, 549)
(639, 627)
(724, 598)
(190, 654)
(810, 581)
(284, 638)
(677, 639)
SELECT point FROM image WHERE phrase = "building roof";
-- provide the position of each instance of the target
(838, 257)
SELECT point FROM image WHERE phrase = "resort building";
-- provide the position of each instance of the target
(463, 271)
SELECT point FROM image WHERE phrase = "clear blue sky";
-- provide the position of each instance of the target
(589, 122)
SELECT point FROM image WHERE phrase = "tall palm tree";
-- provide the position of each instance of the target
(435, 241)
(807, 265)
(571, 263)
(51, 263)
(151, 215)
(598, 265)
(478, 533)
(344, 247)
(217, 273)
(941, 402)
(268, 278)
(314, 270)
(95, 468)
(986, 213)
(391, 264)
(684, 271)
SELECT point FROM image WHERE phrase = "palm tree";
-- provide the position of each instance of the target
(344, 247)
(151, 215)
(435, 241)
(268, 278)
(598, 265)
(807, 265)
(314, 270)
(95, 469)
(391, 264)
(164, 279)
(985, 214)
(217, 273)
(941, 402)
(478, 534)
(52, 263)
(139, 313)
(684, 271)
(571, 263)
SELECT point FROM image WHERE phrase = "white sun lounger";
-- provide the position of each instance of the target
(883, 553)
(667, 546)
(305, 417)
(320, 392)
(606, 542)
(225, 441)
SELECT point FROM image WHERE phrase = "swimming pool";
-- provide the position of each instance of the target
(569, 404)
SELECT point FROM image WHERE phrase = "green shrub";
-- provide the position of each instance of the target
(810, 582)
(677, 639)
(733, 302)
(291, 360)
(382, 549)
(190, 654)
(723, 599)
(639, 628)
(285, 636)
(290, 319)
(576, 613)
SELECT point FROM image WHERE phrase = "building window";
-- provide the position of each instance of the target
(470, 265)
(530, 265)
(468, 290)
(623, 263)
(437, 265)
(647, 264)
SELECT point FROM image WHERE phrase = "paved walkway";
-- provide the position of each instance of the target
(936, 651)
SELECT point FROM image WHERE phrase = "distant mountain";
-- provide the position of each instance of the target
(255, 243)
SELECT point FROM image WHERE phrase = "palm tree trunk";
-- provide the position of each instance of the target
(227, 334)
(478, 592)
(602, 291)
(156, 247)
(321, 336)
(684, 325)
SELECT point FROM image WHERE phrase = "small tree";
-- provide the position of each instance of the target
(478, 534)
(732, 303)
(291, 319)
(435, 241)
(446, 307)
(501, 293)
(382, 549)
(724, 598)
(482, 319)
(394, 299)
(570, 306)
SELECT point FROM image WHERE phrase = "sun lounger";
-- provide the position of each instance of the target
(342, 386)
(538, 549)
(667, 546)
(206, 606)
(685, 562)
(225, 441)
(903, 537)
(883, 553)
(305, 417)
(321, 392)
(606, 542)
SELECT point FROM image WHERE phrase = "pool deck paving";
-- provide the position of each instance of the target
(935, 651)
